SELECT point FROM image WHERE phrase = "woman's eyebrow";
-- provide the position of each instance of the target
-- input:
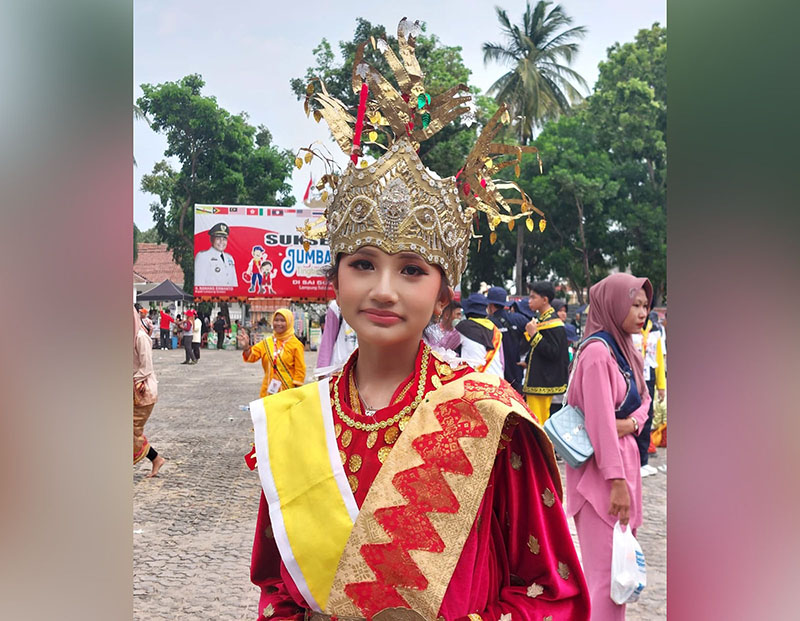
(409, 255)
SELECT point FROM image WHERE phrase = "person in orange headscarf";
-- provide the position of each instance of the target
(281, 354)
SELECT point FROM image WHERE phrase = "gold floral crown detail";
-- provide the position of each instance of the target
(396, 203)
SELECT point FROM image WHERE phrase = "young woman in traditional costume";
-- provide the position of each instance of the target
(281, 354)
(403, 487)
(608, 487)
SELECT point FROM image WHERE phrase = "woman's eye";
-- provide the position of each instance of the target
(361, 264)
(413, 270)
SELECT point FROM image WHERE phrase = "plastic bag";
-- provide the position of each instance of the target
(628, 573)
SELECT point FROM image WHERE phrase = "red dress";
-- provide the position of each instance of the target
(519, 538)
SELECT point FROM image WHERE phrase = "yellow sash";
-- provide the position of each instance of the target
(275, 363)
(311, 506)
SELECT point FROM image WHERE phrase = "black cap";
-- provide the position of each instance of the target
(220, 228)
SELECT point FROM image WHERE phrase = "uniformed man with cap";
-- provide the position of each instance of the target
(215, 267)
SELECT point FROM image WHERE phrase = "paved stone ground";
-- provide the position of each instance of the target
(193, 524)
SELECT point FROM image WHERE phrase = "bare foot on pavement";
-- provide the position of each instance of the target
(157, 463)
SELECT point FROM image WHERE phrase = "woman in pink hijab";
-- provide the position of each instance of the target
(608, 487)
(145, 394)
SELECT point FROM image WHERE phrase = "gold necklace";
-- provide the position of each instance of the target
(355, 404)
(389, 421)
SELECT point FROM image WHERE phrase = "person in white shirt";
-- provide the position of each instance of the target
(187, 327)
(338, 341)
(650, 343)
(197, 336)
(215, 267)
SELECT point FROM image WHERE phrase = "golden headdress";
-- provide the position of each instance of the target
(397, 203)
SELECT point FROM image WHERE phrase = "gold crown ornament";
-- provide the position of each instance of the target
(396, 203)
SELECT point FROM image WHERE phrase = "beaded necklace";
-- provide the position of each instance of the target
(356, 398)
(397, 417)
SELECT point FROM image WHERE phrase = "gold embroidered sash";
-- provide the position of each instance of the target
(413, 524)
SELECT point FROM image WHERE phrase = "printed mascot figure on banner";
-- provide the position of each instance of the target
(267, 274)
(253, 273)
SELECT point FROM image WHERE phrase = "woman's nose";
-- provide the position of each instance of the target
(384, 287)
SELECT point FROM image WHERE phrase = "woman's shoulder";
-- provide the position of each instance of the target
(597, 352)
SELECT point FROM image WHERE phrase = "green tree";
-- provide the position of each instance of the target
(539, 85)
(150, 236)
(139, 237)
(138, 115)
(628, 110)
(222, 159)
(578, 188)
(447, 150)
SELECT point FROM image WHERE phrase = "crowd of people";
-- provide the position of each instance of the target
(413, 479)
(193, 324)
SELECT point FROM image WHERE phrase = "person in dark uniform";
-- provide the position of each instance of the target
(548, 360)
(219, 327)
(512, 327)
(215, 267)
(481, 341)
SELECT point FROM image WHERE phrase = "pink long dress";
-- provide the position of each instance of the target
(598, 388)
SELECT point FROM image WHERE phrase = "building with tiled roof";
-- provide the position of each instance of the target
(154, 265)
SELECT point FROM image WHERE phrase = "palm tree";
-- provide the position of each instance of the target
(537, 87)
(139, 115)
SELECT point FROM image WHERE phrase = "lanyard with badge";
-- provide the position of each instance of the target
(275, 383)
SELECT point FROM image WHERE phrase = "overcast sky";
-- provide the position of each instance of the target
(247, 51)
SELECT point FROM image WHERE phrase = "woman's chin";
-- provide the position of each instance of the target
(385, 336)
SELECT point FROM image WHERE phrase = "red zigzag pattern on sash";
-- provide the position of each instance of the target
(426, 490)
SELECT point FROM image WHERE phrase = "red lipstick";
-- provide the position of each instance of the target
(382, 317)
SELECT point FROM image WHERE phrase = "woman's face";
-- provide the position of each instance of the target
(450, 317)
(562, 313)
(279, 323)
(387, 298)
(637, 315)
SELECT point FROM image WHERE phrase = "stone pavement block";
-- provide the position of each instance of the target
(197, 518)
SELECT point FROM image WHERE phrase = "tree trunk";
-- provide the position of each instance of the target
(577, 289)
(520, 246)
(658, 295)
(584, 250)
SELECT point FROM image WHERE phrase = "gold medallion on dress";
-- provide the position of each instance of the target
(383, 453)
(390, 435)
(355, 463)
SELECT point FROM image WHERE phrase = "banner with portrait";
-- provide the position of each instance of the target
(257, 252)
